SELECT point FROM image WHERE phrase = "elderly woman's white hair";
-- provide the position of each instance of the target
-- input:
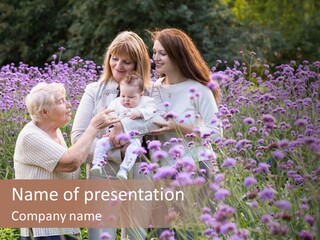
(42, 97)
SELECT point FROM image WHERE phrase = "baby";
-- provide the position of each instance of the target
(132, 104)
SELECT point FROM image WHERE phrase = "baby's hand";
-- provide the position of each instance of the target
(135, 114)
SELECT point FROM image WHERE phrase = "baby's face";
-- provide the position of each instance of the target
(130, 96)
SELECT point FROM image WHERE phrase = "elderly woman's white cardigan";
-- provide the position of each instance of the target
(36, 156)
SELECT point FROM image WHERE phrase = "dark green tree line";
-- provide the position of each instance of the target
(31, 31)
(280, 30)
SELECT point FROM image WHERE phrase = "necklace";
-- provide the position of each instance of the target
(170, 89)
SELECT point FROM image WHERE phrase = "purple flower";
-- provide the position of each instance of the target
(154, 145)
(283, 143)
(248, 120)
(187, 164)
(214, 186)
(140, 151)
(199, 180)
(167, 234)
(165, 172)
(192, 89)
(267, 193)
(208, 156)
(174, 140)
(229, 142)
(262, 167)
(229, 162)
(153, 166)
(301, 122)
(219, 75)
(176, 151)
(268, 118)
(208, 232)
(143, 167)
(158, 155)
(279, 154)
(213, 121)
(183, 179)
(283, 204)
(309, 219)
(213, 85)
(253, 204)
(227, 227)
(266, 218)
(105, 235)
(221, 194)
(187, 115)
(249, 181)
(219, 178)
(224, 212)
(243, 143)
(170, 115)
(206, 210)
(190, 135)
(104, 161)
(166, 104)
(190, 144)
(133, 133)
(252, 130)
(306, 235)
(123, 137)
(239, 134)
(206, 217)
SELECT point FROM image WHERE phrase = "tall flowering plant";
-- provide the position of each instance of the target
(270, 152)
(265, 176)
(15, 84)
(267, 181)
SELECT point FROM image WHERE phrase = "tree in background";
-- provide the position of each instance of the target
(33, 30)
(280, 30)
(100, 21)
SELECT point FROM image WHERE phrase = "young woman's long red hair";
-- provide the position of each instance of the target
(184, 53)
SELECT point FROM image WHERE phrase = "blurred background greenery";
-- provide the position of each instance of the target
(31, 31)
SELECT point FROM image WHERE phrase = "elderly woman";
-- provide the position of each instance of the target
(41, 151)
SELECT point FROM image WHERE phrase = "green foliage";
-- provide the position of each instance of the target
(33, 30)
(102, 20)
(9, 233)
(279, 30)
(250, 89)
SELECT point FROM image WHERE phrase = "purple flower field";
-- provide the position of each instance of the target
(267, 173)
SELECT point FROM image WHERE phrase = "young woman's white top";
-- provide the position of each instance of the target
(193, 104)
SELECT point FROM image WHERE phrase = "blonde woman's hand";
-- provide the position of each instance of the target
(103, 119)
(163, 127)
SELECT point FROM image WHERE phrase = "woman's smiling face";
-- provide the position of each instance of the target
(120, 66)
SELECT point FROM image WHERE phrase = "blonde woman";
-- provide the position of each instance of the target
(126, 53)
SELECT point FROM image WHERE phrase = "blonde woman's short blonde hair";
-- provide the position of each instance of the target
(42, 97)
